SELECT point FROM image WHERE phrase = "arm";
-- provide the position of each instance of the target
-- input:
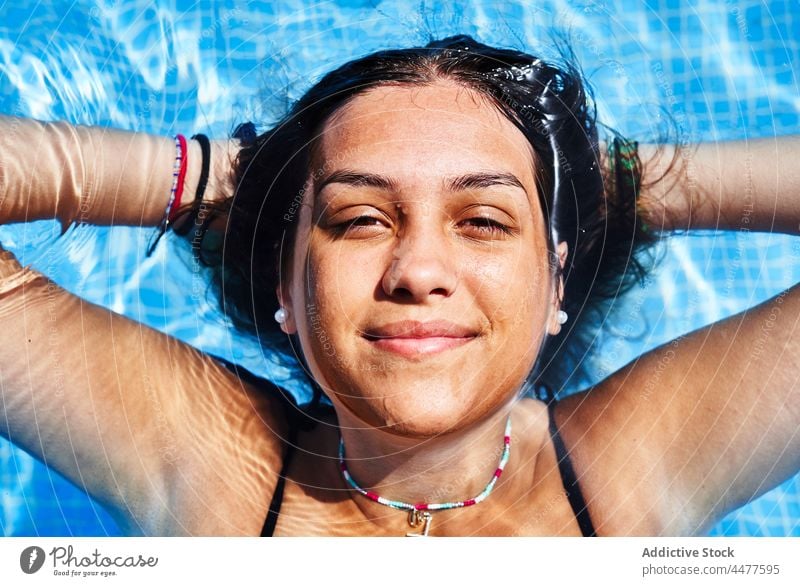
(150, 426)
(83, 174)
(742, 185)
(709, 421)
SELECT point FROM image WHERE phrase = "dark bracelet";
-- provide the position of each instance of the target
(205, 147)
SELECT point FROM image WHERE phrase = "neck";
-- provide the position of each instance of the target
(450, 467)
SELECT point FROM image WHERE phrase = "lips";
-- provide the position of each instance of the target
(414, 338)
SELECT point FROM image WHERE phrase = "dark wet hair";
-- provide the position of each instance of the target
(590, 208)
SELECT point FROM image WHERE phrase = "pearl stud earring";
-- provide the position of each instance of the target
(280, 316)
(562, 317)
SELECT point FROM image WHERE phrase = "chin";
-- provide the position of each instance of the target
(420, 417)
(419, 428)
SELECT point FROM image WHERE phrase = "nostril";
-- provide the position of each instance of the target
(402, 292)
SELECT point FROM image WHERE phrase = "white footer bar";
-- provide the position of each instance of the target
(390, 561)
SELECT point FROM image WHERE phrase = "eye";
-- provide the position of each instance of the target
(483, 226)
(360, 225)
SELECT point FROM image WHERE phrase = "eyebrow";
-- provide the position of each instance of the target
(483, 180)
(348, 177)
(480, 180)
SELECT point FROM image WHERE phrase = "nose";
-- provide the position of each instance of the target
(423, 265)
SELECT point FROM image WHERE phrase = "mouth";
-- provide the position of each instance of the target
(416, 339)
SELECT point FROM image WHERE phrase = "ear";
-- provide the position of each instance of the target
(554, 327)
(289, 326)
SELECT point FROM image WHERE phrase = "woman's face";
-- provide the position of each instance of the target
(420, 287)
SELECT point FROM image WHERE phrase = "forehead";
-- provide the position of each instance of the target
(426, 130)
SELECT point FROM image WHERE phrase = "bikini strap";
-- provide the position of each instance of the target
(568, 477)
(277, 496)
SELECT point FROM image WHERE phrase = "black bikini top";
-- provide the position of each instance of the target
(568, 477)
(298, 420)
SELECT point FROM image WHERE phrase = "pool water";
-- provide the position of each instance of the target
(719, 70)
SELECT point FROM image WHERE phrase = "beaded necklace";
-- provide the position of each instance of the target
(419, 513)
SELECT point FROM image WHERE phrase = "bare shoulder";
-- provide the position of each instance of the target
(694, 428)
(148, 425)
(614, 444)
(221, 443)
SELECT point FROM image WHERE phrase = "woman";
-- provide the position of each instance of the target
(424, 226)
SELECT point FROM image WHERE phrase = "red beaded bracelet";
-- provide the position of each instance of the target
(183, 157)
(176, 192)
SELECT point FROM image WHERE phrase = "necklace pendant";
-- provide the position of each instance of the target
(416, 518)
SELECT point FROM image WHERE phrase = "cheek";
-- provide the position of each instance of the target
(518, 313)
(324, 298)
(323, 321)
(341, 281)
(334, 297)
(513, 290)
(536, 290)
(314, 308)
